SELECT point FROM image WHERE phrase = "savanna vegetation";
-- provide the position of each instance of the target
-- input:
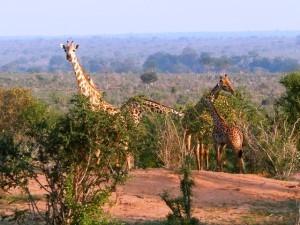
(77, 156)
(61, 143)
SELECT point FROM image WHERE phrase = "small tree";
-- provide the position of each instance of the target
(12, 103)
(181, 206)
(289, 102)
(149, 77)
(80, 155)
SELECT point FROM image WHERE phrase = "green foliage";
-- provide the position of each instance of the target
(289, 102)
(198, 120)
(278, 143)
(81, 155)
(22, 112)
(181, 206)
(273, 142)
(12, 104)
(145, 143)
(16, 163)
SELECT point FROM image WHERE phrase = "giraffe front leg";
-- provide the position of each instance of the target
(129, 158)
(201, 156)
(206, 157)
(188, 141)
(129, 161)
(222, 149)
(217, 149)
(197, 156)
(241, 162)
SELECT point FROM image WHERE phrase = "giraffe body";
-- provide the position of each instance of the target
(231, 136)
(225, 136)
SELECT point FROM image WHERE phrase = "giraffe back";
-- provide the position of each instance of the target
(136, 106)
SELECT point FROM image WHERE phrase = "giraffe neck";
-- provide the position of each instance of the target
(217, 119)
(87, 88)
(85, 83)
(137, 106)
(156, 107)
(214, 93)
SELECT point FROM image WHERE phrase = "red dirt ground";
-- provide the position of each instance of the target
(218, 198)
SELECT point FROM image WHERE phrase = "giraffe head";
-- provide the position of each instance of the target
(225, 84)
(70, 48)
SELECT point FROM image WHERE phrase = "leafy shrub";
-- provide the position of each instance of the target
(181, 206)
(276, 147)
(289, 102)
(80, 155)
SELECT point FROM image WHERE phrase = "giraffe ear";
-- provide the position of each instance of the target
(77, 46)
(225, 75)
(62, 46)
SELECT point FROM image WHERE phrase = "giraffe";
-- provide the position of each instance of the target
(223, 134)
(134, 106)
(85, 84)
(201, 150)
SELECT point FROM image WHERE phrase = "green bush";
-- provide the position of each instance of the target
(81, 154)
(289, 102)
(181, 207)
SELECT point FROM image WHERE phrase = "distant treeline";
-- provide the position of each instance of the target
(58, 63)
(190, 61)
(166, 63)
(176, 53)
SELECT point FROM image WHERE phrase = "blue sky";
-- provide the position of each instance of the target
(96, 17)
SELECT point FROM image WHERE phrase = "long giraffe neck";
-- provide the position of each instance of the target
(87, 88)
(159, 108)
(217, 119)
(214, 93)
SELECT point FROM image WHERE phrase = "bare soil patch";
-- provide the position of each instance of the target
(218, 198)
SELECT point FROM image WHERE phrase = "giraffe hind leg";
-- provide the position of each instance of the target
(241, 162)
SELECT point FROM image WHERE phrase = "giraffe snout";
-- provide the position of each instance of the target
(68, 57)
